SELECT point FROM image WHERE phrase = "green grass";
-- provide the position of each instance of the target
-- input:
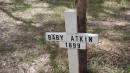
(20, 5)
(69, 4)
(58, 10)
(41, 41)
(98, 30)
(29, 58)
(126, 37)
(58, 59)
(95, 7)
(96, 64)
(128, 68)
(6, 47)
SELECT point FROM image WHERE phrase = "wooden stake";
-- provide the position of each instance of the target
(81, 6)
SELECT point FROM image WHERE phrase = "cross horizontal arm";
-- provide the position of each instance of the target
(72, 37)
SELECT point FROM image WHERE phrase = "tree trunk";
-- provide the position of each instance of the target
(81, 6)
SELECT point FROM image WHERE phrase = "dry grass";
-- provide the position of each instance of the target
(28, 43)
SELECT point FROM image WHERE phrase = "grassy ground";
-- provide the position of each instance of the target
(23, 45)
(112, 25)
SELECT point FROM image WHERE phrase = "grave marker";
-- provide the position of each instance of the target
(72, 40)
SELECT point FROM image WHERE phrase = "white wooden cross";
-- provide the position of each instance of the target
(71, 39)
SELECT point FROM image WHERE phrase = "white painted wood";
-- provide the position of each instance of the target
(55, 36)
(81, 38)
(72, 37)
(95, 39)
(72, 45)
(71, 27)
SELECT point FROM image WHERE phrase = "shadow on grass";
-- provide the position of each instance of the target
(6, 47)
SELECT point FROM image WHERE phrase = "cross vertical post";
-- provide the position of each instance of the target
(71, 27)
